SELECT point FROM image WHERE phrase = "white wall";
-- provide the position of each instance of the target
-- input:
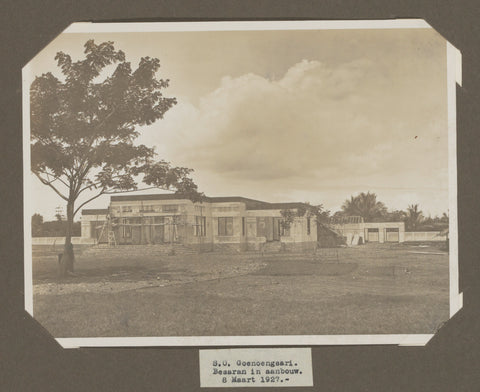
(424, 236)
(86, 226)
(61, 241)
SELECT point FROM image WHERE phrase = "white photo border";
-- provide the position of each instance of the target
(454, 76)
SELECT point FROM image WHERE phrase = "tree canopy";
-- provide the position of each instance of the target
(83, 129)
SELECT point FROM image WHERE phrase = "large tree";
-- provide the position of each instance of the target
(366, 206)
(84, 125)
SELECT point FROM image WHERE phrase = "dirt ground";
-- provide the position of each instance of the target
(371, 289)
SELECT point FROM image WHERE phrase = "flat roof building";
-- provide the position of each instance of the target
(237, 223)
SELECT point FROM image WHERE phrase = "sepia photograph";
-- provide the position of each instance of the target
(232, 183)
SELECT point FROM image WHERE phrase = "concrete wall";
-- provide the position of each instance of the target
(252, 241)
(299, 232)
(418, 236)
(298, 238)
(86, 226)
(61, 241)
(144, 206)
(235, 210)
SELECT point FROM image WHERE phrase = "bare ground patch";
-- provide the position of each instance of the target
(302, 267)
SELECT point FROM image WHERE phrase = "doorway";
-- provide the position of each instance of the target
(392, 234)
(372, 235)
(272, 229)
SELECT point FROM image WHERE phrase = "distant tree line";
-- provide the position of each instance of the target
(370, 209)
(56, 228)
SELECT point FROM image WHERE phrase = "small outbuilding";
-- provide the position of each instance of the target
(356, 231)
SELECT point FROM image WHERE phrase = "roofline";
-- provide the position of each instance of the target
(173, 196)
(251, 204)
(279, 206)
(160, 196)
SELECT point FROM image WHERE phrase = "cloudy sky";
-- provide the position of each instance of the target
(295, 115)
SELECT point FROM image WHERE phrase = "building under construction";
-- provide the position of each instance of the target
(217, 222)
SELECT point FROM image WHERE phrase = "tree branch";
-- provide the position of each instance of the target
(49, 183)
(94, 185)
(102, 192)
(56, 178)
(104, 120)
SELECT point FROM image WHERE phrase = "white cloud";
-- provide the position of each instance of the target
(323, 124)
(315, 129)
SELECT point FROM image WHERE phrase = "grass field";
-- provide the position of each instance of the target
(371, 289)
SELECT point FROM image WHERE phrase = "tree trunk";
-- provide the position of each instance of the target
(68, 257)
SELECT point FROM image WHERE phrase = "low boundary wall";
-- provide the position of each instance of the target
(417, 236)
(61, 241)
